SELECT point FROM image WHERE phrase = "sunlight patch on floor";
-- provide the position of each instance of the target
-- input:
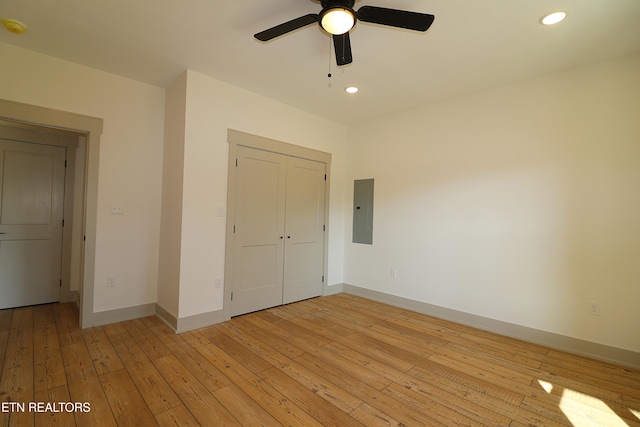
(583, 410)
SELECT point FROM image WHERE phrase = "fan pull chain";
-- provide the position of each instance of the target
(329, 75)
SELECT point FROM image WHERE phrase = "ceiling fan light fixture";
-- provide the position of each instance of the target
(553, 18)
(337, 20)
(351, 89)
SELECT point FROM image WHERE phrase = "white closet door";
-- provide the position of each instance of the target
(258, 255)
(31, 211)
(304, 244)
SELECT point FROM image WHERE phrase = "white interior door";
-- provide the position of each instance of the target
(305, 225)
(31, 214)
(258, 253)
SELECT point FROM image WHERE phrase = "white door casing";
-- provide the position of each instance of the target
(31, 214)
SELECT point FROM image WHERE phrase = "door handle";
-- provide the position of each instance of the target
(2, 232)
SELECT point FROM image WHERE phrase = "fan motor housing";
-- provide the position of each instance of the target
(348, 4)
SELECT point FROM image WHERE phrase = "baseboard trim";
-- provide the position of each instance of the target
(122, 314)
(202, 320)
(549, 339)
(166, 317)
(69, 296)
(333, 289)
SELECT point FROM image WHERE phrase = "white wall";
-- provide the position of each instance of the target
(520, 204)
(212, 108)
(130, 170)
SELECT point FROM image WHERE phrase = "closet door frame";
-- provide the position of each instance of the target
(237, 138)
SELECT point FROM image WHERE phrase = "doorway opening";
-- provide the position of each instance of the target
(40, 243)
(50, 124)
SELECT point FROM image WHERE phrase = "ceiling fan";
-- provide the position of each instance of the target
(338, 18)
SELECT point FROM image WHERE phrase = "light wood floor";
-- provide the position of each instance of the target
(338, 360)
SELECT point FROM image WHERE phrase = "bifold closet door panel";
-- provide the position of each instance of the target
(304, 229)
(258, 256)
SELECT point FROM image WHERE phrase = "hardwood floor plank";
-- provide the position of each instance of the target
(104, 357)
(319, 385)
(67, 324)
(16, 383)
(317, 407)
(47, 358)
(398, 358)
(279, 406)
(479, 391)
(484, 373)
(5, 319)
(4, 342)
(157, 394)
(336, 360)
(244, 408)
(278, 344)
(492, 366)
(438, 413)
(200, 367)
(127, 404)
(579, 412)
(200, 337)
(146, 339)
(261, 318)
(370, 416)
(177, 417)
(76, 356)
(604, 389)
(368, 376)
(200, 402)
(385, 407)
(85, 386)
(597, 369)
(56, 417)
(324, 329)
(242, 354)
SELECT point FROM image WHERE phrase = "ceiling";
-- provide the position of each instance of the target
(472, 46)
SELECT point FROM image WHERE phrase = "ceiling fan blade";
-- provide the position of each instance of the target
(287, 27)
(396, 18)
(342, 46)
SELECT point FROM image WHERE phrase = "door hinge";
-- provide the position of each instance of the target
(324, 227)
(84, 238)
(325, 176)
(234, 229)
(231, 296)
(65, 163)
(63, 222)
(60, 282)
(323, 279)
(236, 162)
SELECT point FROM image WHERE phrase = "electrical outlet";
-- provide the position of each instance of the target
(393, 272)
(111, 281)
(218, 282)
(116, 209)
(594, 308)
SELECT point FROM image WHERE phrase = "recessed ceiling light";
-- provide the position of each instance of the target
(553, 18)
(351, 89)
(16, 27)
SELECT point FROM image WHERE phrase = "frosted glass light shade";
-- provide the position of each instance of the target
(338, 20)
